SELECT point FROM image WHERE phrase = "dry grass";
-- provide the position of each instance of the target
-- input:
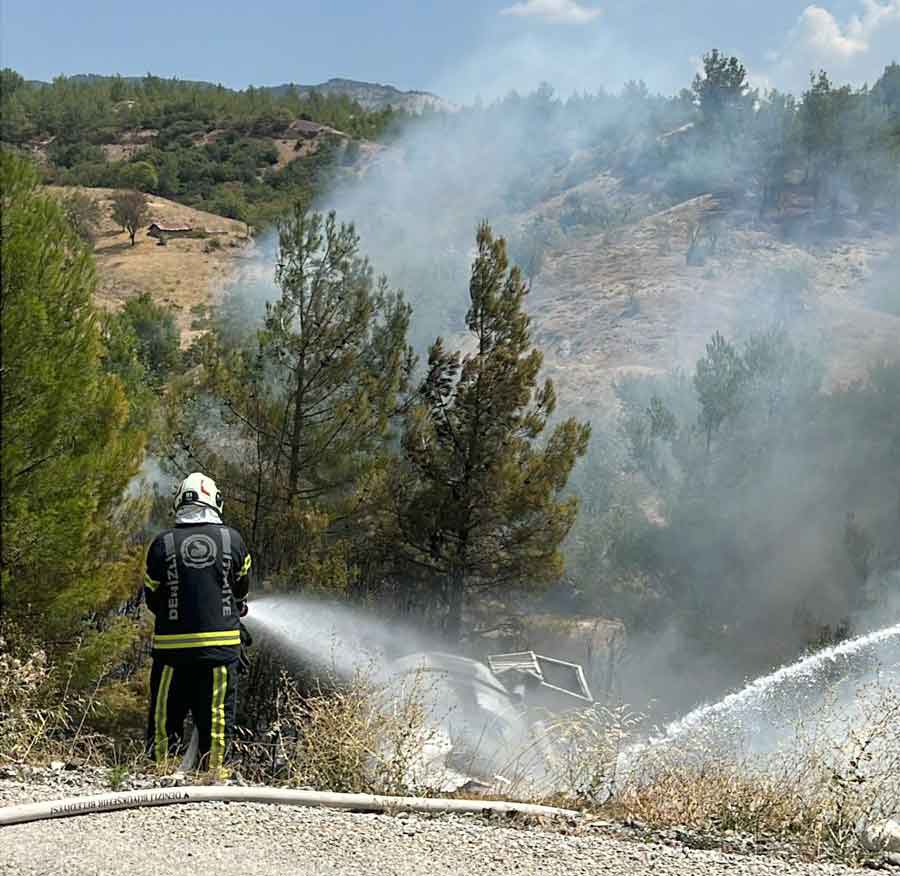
(582, 319)
(815, 786)
(182, 275)
(347, 738)
(42, 719)
(716, 798)
(570, 758)
(24, 713)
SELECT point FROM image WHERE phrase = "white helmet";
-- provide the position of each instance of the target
(198, 489)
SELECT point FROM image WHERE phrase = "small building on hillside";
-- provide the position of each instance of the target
(157, 230)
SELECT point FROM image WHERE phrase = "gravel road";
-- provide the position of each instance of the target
(248, 839)
(221, 839)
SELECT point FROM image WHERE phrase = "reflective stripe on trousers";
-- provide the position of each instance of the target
(217, 730)
(161, 716)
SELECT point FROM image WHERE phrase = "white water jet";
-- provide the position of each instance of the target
(329, 636)
(804, 673)
(756, 708)
(471, 724)
(344, 640)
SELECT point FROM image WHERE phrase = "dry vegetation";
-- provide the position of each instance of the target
(608, 305)
(829, 775)
(42, 719)
(183, 275)
(23, 717)
(349, 738)
(825, 777)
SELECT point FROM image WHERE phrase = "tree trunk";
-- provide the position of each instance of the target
(455, 590)
(254, 535)
(297, 430)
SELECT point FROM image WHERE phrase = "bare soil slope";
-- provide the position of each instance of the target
(627, 301)
(618, 301)
(185, 274)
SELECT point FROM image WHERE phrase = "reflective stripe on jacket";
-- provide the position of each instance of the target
(196, 574)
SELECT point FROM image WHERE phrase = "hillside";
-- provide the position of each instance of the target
(603, 305)
(615, 295)
(247, 155)
(369, 95)
(609, 304)
(184, 275)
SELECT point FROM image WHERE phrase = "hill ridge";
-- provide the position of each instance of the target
(370, 95)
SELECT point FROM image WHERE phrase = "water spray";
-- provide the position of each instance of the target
(335, 637)
(805, 673)
(478, 715)
(803, 680)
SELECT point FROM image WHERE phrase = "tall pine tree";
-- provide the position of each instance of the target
(294, 422)
(68, 453)
(481, 505)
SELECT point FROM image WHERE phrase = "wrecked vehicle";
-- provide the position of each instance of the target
(483, 721)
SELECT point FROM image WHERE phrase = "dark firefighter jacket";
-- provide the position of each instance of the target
(196, 574)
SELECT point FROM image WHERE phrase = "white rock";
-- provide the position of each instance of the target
(57, 765)
(882, 836)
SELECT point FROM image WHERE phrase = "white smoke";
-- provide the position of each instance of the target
(418, 200)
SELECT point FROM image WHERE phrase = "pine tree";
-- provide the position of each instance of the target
(481, 504)
(301, 414)
(67, 454)
(722, 91)
(719, 379)
(826, 134)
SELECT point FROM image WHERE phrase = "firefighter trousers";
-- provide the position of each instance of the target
(209, 692)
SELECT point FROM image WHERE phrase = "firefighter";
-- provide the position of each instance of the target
(196, 583)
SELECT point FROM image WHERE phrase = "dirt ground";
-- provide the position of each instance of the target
(184, 275)
(627, 302)
(612, 303)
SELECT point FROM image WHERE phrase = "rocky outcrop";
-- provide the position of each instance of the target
(375, 96)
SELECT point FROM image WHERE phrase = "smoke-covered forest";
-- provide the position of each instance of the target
(375, 406)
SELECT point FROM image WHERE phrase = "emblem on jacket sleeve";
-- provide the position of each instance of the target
(198, 551)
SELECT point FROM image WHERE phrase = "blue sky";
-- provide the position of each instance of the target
(458, 48)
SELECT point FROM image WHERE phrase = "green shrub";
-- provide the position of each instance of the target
(157, 335)
(140, 175)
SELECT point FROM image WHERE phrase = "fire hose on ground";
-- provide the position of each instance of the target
(94, 803)
(109, 802)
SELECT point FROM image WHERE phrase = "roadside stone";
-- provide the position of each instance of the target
(881, 836)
